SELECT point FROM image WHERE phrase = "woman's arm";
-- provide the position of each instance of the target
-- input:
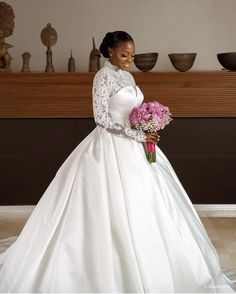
(102, 116)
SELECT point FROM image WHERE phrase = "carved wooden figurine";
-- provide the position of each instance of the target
(71, 63)
(94, 59)
(49, 38)
(6, 29)
(26, 57)
(5, 57)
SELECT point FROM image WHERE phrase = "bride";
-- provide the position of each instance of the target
(110, 221)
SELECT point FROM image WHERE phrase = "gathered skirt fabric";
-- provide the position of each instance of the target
(112, 222)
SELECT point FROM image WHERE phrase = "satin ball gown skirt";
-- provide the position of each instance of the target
(111, 222)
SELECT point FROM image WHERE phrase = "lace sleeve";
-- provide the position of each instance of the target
(101, 85)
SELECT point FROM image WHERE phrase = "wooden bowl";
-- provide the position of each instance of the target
(145, 61)
(182, 61)
(227, 60)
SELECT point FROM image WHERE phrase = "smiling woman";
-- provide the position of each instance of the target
(119, 48)
(109, 220)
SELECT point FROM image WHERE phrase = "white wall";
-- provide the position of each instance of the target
(165, 26)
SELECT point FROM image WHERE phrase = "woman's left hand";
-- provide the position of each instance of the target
(152, 137)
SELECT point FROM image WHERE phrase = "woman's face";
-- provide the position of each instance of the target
(123, 55)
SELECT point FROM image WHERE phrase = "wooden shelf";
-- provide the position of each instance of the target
(67, 95)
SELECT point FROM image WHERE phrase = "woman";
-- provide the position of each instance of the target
(110, 221)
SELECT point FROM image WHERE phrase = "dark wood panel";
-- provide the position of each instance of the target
(68, 95)
(202, 152)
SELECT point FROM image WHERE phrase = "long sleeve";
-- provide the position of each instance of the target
(103, 84)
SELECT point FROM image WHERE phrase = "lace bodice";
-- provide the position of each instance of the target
(107, 82)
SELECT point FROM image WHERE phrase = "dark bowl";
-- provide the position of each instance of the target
(182, 61)
(227, 60)
(145, 61)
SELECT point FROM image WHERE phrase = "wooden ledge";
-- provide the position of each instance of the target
(68, 95)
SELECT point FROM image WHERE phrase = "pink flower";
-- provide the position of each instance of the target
(150, 117)
(142, 115)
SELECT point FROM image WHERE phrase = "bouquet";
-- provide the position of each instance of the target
(150, 117)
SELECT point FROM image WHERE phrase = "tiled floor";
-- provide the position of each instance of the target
(11, 224)
(221, 230)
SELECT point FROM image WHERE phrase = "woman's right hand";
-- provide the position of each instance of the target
(152, 137)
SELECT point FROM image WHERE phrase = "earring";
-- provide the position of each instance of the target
(110, 54)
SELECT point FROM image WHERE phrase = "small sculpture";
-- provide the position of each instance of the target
(6, 29)
(71, 63)
(26, 57)
(49, 38)
(94, 59)
(5, 57)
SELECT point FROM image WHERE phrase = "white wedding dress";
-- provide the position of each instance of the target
(110, 221)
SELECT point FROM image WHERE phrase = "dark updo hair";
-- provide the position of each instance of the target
(113, 40)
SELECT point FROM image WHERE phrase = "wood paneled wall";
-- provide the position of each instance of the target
(43, 117)
(201, 150)
(68, 95)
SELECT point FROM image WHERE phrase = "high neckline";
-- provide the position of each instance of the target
(111, 66)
